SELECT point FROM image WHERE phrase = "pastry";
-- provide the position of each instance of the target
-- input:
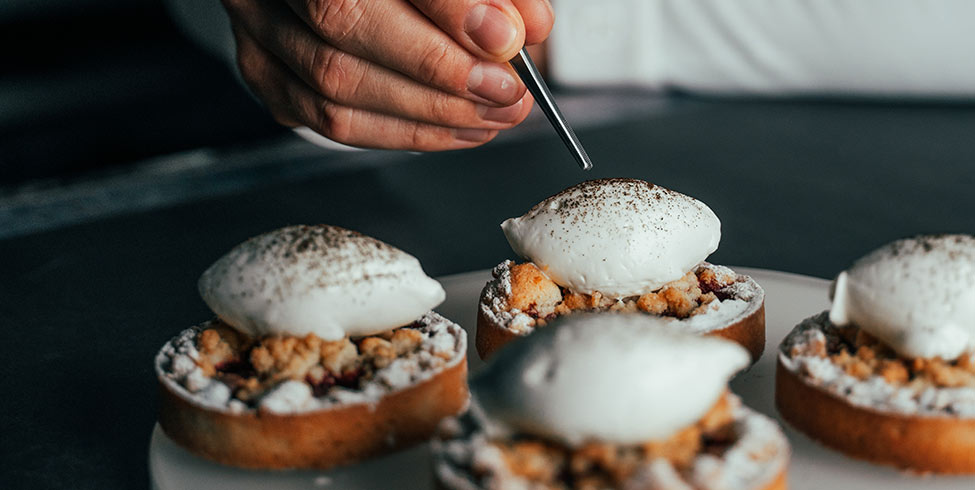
(618, 245)
(888, 373)
(611, 400)
(324, 352)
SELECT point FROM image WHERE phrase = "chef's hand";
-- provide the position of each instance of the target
(406, 74)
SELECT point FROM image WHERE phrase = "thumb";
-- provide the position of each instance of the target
(492, 30)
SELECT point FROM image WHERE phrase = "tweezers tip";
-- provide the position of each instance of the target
(582, 158)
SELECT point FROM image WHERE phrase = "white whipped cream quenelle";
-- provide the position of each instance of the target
(621, 378)
(324, 280)
(916, 294)
(621, 237)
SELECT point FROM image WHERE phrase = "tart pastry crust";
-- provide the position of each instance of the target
(904, 434)
(328, 435)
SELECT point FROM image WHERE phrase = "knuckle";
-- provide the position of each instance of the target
(335, 122)
(435, 67)
(336, 19)
(337, 74)
(443, 110)
(425, 138)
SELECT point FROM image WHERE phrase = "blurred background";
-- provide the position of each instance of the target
(94, 85)
(111, 106)
(131, 158)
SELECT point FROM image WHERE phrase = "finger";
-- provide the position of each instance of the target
(491, 29)
(287, 96)
(538, 16)
(354, 82)
(394, 34)
(254, 68)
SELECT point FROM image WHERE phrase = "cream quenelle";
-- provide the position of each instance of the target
(916, 294)
(323, 280)
(620, 237)
(620, 378)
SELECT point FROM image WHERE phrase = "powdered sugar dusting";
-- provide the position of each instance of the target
(874, 392)
(287, 397)
(759, 455)
(494, 298)
(443, 346)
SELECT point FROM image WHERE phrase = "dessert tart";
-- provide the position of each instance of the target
(324, 352)
(545, 414)
(888, 373)
(618, 245)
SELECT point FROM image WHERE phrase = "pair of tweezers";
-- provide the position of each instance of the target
(529, 74)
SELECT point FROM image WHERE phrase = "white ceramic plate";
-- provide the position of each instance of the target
(789, 298)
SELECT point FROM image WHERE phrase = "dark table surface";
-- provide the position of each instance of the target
(803, 187)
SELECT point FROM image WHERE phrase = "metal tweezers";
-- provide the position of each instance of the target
(529, 74)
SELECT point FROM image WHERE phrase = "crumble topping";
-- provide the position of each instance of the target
(854, 365)
(219, 367)
(521, 297)
(730, 447)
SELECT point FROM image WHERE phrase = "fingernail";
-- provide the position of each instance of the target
(493, 82)
(490, 29)
(500, 114)
(472, 135)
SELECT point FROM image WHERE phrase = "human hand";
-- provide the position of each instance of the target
(405, 74)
